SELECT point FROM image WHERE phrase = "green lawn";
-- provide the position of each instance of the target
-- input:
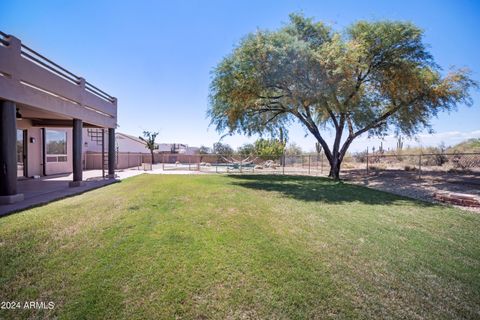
(241, 247)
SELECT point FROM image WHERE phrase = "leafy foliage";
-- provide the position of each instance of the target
(371, 78)
(293, 149)
(204, 150)
(149, 139)
(269, 149)
(246, 150)
(223, 149)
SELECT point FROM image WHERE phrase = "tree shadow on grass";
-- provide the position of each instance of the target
(317, 189)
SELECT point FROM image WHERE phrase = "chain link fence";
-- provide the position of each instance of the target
(315, 164)
(452, 163)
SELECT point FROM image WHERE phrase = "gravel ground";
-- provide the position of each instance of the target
(408, 184)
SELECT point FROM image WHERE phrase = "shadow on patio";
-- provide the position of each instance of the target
(47, 189)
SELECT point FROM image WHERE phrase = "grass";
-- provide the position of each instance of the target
(241, 247)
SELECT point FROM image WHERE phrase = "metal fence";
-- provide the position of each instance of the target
(123, 160)
(438, 162)
(305, 164)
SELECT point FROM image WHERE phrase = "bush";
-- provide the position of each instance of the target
(437, 159)
(360, 156)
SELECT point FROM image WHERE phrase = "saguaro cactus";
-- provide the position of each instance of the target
(399, 144)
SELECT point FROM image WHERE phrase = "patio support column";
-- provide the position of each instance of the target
(77, 153)
(8, 153)
(111, 152)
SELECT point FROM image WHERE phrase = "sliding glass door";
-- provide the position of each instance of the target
(21, 153)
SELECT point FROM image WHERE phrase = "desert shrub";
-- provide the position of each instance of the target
(360, 156)
(466, 161)
(347, 165)
(436, 156)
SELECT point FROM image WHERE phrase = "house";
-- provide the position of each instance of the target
(129, 150)
(174, 148)
(124, 143)
(129, 143)
(44, 109)
(170, 148)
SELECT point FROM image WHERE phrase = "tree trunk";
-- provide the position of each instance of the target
(153, 158)
(335, 169)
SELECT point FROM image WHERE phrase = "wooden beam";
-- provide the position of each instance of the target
(58, 123)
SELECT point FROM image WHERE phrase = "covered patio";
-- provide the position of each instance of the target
(43, 110)
(37, 192)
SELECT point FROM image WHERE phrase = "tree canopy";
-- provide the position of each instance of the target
(222, 148)
(247, 149)
(374, 78)
(293, 149)
(269, 149)
(204, 150)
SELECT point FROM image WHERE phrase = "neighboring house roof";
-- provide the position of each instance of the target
(161, 147)
(127, 136)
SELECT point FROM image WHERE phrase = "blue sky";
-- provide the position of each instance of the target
(156, 56)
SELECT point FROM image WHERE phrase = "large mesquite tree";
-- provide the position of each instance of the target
(374, 78)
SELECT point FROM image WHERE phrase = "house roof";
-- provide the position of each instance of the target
(127, 136)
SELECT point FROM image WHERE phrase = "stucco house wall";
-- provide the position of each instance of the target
(129, 143)
(35, 145)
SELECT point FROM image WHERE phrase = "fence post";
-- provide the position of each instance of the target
(308, 164)
(367, 161)
(241, 161)
(420, 166)
(163, 162)
(321, 163)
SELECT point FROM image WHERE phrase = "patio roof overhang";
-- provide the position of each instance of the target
(33, 81)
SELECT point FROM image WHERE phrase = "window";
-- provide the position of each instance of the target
(56, 145)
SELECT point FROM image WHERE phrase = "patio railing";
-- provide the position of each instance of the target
(30, 78)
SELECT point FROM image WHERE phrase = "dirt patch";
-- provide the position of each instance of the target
(423, 187)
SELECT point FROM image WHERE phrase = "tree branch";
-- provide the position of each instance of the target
(272, 118)
(312, 127)
(375, 123)
(350, 125)
(338, 134)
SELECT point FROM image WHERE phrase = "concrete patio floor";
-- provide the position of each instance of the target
(47, 189)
